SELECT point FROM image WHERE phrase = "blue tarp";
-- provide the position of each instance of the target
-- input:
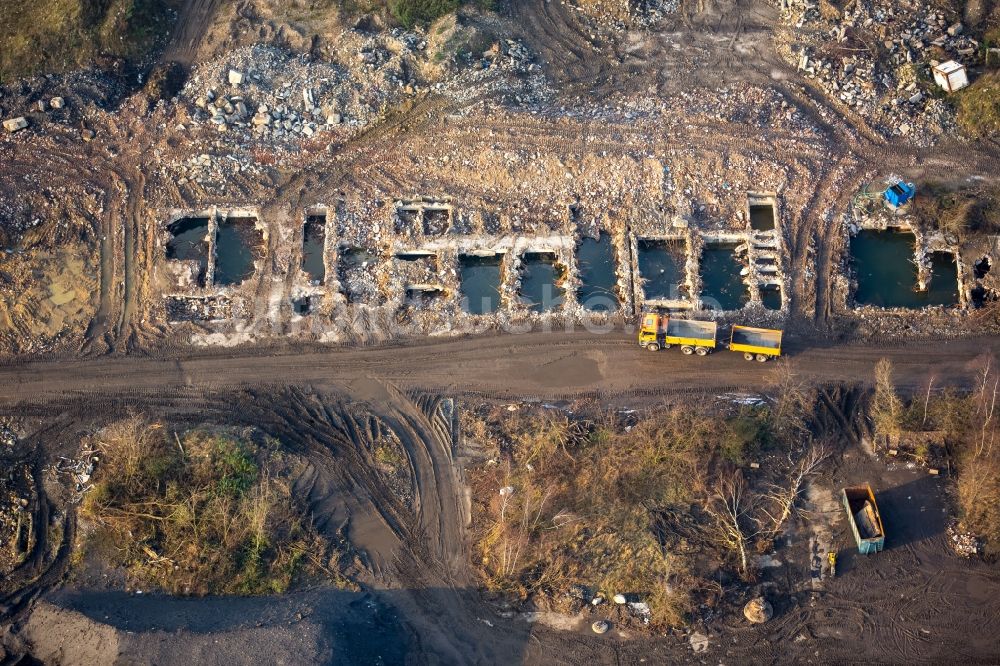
(899, 194)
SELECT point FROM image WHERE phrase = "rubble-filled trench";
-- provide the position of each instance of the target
(431, 268)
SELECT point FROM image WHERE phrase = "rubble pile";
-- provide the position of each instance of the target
(272, 94)
(965, 544)
(207, 308)
(359, 277)
(507, 70)
(7, 438)
(421, 271)
(876, 58)
(76, 472)
(623, 13)
(207, 169)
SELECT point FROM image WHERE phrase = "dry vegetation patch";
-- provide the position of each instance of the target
(569, 509)
(950, 429)
(979, 107)
(59, 35)
(963, 211)
(204, 511)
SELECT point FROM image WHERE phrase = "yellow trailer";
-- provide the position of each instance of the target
(758, 344)
(662, 332)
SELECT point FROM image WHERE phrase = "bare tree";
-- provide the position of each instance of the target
(732, 508)
(887, 408)
(793, 402)
(785, 497)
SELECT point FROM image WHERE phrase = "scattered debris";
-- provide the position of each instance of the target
(698, 641)
(965, 544)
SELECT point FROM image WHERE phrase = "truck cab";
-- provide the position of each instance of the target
(652, 329)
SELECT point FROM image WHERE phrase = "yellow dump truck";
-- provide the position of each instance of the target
(758, 344)
(662, 332)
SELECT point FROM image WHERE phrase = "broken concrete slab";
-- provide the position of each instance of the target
(235, 77)
(14, 124)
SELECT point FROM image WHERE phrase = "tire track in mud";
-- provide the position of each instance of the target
(556, 35)
(415, 551)
(47, 564)
(132, 229)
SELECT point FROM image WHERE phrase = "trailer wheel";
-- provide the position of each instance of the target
(687, 349)
(748, 356)
(652, 346)
(761, 358)
(701, 351)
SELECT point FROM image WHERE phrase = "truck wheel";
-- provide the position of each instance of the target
(701, 351)
(652, 346)
(761, 358)
(687, 349)
(748, 356)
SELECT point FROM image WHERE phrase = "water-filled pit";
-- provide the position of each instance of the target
(887, 275)
(770, 296)
(235, 243)
(303, 305)
(596, 261)
(661, 267)
(189, 242)
(762, 216)
(943, 287)
(480, 282)
(722, 285)
(313, 242)
(540, 282)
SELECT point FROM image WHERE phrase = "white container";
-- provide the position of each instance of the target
(951, 76)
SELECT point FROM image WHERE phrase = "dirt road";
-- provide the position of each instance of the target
(542, 365)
